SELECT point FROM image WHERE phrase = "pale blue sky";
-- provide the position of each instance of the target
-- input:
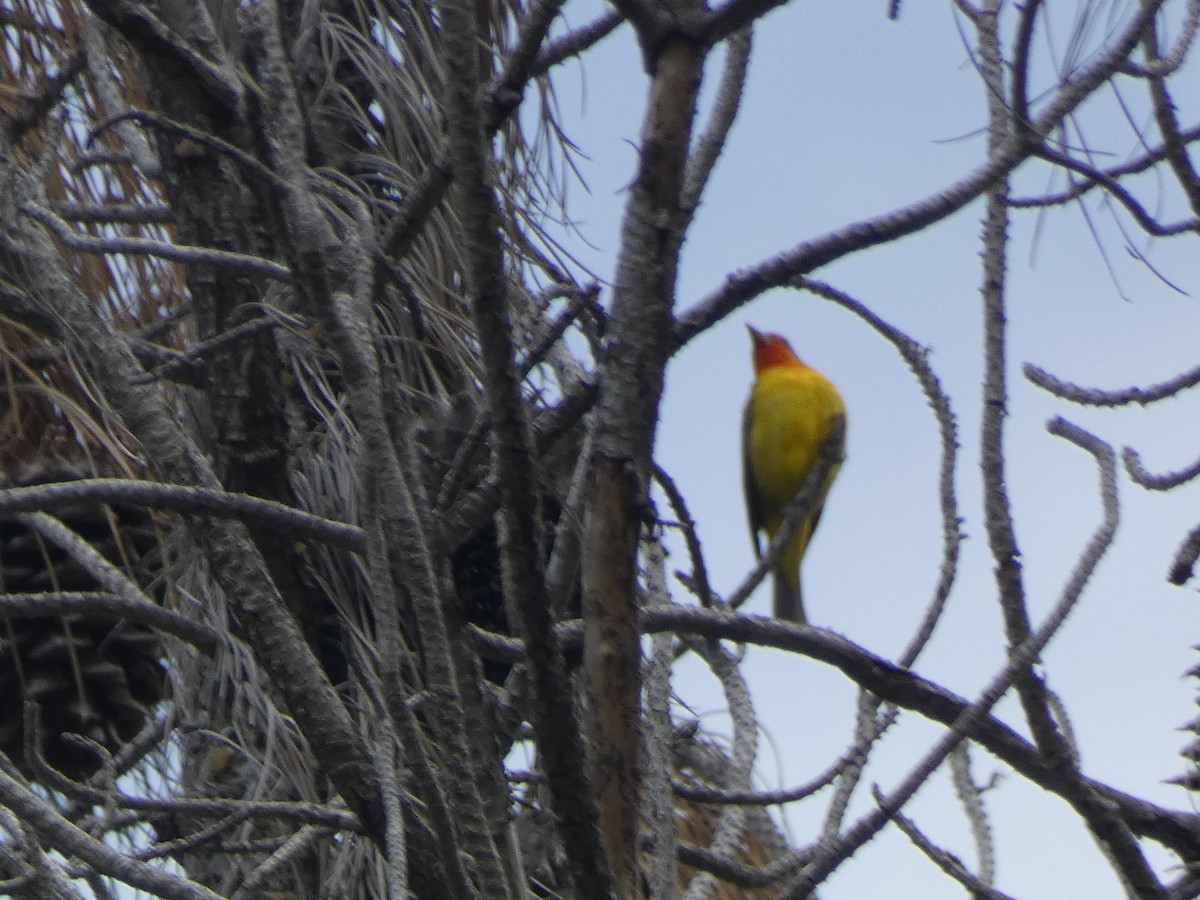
(849, 115)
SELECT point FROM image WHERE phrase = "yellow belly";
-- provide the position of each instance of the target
(791, 412)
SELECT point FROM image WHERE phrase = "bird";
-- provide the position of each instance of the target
(791, 413)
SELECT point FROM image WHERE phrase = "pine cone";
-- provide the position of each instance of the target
(100, 679)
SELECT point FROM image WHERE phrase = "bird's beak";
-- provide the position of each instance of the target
(755, 335)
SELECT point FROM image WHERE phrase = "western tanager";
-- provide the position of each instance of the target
(790, 413)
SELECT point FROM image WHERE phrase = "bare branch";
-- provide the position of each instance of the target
(739, 873)
(299, 843)
(711, 141)
(234, 560)
(38, 877)
(577, 41)
(1157, 66)
(337, 636)
(149, 247)
(519, 65)
(1097, 397)
(181, 498)
(948, 863)
(138, 20)
(997, 507)
(125, 213)
(1165, 115)
(554, 718)
(1139, 164)
(33, 107)
(698, 580)
(623, 429)
(110, 607)
(916, 358)
(1114, 188)
(1141, 476)
(659, 811)
(970, 796)
(1175, 830)
(731, 819)
(244, 160)
(51, 827)
(1113, 834)
(1185, 558)
(734, 15)
(811, 255)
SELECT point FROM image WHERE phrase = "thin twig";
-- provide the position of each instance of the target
(41, 817)
(1125, 197)
(575, 42)
(916, 358)
(181, 498)
(1175, 830)
(253, 265)
(970, 795)
(949, 863)
(731, 819)
(101, 605)
(659, 811)
(698, 580)
(711, 141)
(1097, 397)
(752, 281)
(1142, 477)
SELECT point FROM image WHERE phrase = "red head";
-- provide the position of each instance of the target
(772, 350)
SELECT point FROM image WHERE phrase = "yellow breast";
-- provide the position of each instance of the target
(789, 416)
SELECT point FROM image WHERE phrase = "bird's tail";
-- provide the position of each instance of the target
(789, 605)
